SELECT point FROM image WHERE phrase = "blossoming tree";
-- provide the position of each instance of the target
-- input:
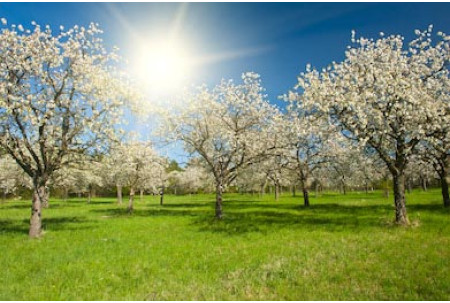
(133, 164)
(11, 176)
(308, 143)
(229, 127)
(59, 96)
(384, 95)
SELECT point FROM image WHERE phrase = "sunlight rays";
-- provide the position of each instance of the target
(166, 61)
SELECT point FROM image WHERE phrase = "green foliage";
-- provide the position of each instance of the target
(173, 166)
(340, 248)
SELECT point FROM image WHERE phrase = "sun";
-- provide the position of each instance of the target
(162, 65)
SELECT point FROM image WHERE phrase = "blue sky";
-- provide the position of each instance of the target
(275, 40)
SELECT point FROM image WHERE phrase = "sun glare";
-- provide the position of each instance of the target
(162, 66)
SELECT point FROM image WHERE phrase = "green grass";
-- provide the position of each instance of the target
(341, 248)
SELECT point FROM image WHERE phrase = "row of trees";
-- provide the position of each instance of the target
(387, 102)
(134, 167)
(384, 108)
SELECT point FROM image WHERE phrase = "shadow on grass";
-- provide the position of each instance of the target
(179, 205)
(67, 223)
(152, 211)
(84, 202)
(13, 227)
(53, 204)
(15, 205)
(244, 216)
(51, 224)
(436, 208)
(254, 215)
(307, 221)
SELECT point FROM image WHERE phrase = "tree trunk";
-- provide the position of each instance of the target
(131, 200)
(408, 185)
(399, 199)
(89, 194)
(305, 196)
(66, 194)
(219, 189)
(386, 188)
(444, 188)
(141, 194)
(161, 196)
(45, 198)
(36, 208)
(263, 188)
(119, 194)
(304, 181)
(424, 183)
(293, 191)
(277, 193)
(4, 196)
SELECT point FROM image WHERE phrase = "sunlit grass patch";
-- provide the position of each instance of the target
(340, 248)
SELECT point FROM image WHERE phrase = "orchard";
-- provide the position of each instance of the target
(360, 146)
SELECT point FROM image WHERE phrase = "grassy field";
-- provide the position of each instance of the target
(341, 248)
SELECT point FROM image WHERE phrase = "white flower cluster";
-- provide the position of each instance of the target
(387, 95)
(229, 127)
(59, 94)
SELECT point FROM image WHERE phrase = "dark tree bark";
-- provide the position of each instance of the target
(306, 196)
(344, 188)
(444, 189)
(441, 166)
(119, 194)
(161, 196)
(277, 192)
